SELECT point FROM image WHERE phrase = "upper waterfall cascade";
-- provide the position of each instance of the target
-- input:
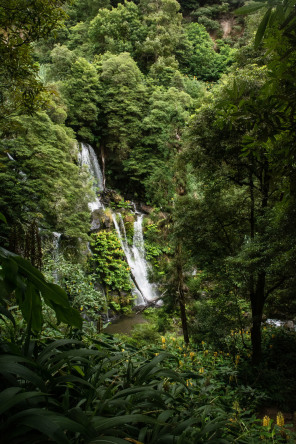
(88, 157)
(135, 255)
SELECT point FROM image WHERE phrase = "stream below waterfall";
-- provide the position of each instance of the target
(125, 324)
(143, 290)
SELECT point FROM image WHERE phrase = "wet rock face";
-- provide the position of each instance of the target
(109, 195)
(146, 208)
(95, 222)
(100, 220)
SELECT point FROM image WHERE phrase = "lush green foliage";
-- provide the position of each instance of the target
(202, 60)
(42, 180)
(109, 261)
(27, 284)
(129, 78)
(80, 287)
(22, 22)
(128, 394)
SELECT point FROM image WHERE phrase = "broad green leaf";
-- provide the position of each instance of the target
(249, 9)
(31, 307)
(79, 370)
(104, 424)
(72, 379)
(143, 391)
(5, 312)
(68, 315)
(3, 218)
(262, 27)
(48, 423)
(10, 397)
(142, 372)
(10, 364)
(50, 349)
(53, 295)
(110, 440)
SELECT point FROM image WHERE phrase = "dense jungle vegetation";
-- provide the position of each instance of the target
(190, 110)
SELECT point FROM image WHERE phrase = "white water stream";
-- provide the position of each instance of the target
(88, 157)
(135, 255)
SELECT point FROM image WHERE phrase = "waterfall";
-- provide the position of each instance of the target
(135, 257)
(88, 157)
(56, 241)
(55, 252)
(141, 265)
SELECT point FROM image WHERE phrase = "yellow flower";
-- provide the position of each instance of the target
(215, 353)
(156, 354)
(201, 370)
(163, 339)
(206, 352)
(266, 421)
(180, 363)
(202, 342)
(185, 355)
(192, 354)
(122, 350)
(237, 358)
(280, 420)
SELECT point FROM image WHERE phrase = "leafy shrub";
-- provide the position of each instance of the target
(110, 261)
(79, 285)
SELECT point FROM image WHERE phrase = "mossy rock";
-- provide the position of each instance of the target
(101, 219)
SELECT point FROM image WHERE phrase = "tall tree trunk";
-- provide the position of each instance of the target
(257, 303)
(103, 166)
(181, 295)
(257, 295)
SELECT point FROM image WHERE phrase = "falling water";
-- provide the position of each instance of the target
(141, 265)
(135, 257)
(55, 252)
(10, 157)
(88, 157)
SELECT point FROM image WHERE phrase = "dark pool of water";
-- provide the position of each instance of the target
(125, 324)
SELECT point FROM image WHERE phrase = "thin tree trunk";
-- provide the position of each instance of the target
(103, 166)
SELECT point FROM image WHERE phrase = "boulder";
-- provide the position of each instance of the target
(100, 220)
(146, 208)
